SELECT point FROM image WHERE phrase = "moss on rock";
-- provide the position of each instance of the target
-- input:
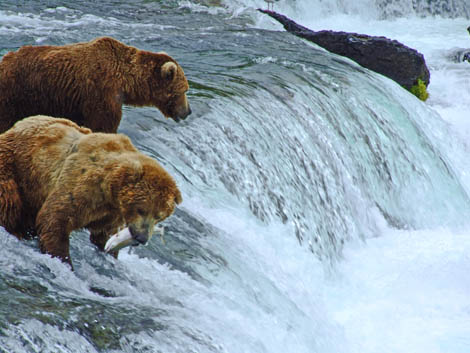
(419, 90)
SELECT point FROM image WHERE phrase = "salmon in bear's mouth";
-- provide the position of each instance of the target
(125, 238)
(120, 240)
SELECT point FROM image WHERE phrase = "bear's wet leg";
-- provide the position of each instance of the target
(56, 245)
(11, 204)
(53, 227)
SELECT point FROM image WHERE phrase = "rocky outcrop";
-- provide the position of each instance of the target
(385, 56)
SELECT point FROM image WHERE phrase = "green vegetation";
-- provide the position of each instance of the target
(419, 90)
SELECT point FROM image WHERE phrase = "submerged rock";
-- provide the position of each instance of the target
(388, 57)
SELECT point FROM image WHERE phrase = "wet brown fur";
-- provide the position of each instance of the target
(56, 177)
(88, 83)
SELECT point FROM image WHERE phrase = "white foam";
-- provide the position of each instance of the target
(41, 27)
(53, 339)
(406, 291)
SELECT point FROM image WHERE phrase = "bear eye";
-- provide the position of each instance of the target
(141, 211)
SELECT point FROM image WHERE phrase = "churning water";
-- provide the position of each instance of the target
(325, 208)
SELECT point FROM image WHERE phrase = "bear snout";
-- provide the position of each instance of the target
(182, 113)
(141, 236)
(179, 108)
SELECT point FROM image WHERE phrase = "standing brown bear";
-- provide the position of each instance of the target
(88, 83)
(56, 177)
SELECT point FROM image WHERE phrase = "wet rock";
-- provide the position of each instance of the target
(459, 55)
(388, 57)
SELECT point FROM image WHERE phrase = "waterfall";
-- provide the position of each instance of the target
(372, 9)
(321, 144)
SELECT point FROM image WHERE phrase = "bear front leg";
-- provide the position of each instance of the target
(54, 243)
(54, 226)
(104, 116)
(10, 207)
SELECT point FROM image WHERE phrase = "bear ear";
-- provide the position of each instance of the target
(169, 70)
(178, 198)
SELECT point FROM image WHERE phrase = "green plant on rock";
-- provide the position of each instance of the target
(419, 90)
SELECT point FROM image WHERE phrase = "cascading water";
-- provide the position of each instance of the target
(377, 9)
(291, 157)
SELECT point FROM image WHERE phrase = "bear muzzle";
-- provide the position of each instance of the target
(181, 113)
(141, 235)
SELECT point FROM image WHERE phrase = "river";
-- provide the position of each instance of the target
(325, 208)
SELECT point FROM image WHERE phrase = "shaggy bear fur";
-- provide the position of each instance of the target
(56, 177)
(88, 83)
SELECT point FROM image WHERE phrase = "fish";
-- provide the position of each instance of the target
(124, 238)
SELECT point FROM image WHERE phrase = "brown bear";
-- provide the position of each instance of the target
(56, 177)
(88, 83)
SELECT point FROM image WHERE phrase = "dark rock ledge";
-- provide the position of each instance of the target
(388, 57)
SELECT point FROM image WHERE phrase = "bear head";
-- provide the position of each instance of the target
(146, 195)
(167, 84)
